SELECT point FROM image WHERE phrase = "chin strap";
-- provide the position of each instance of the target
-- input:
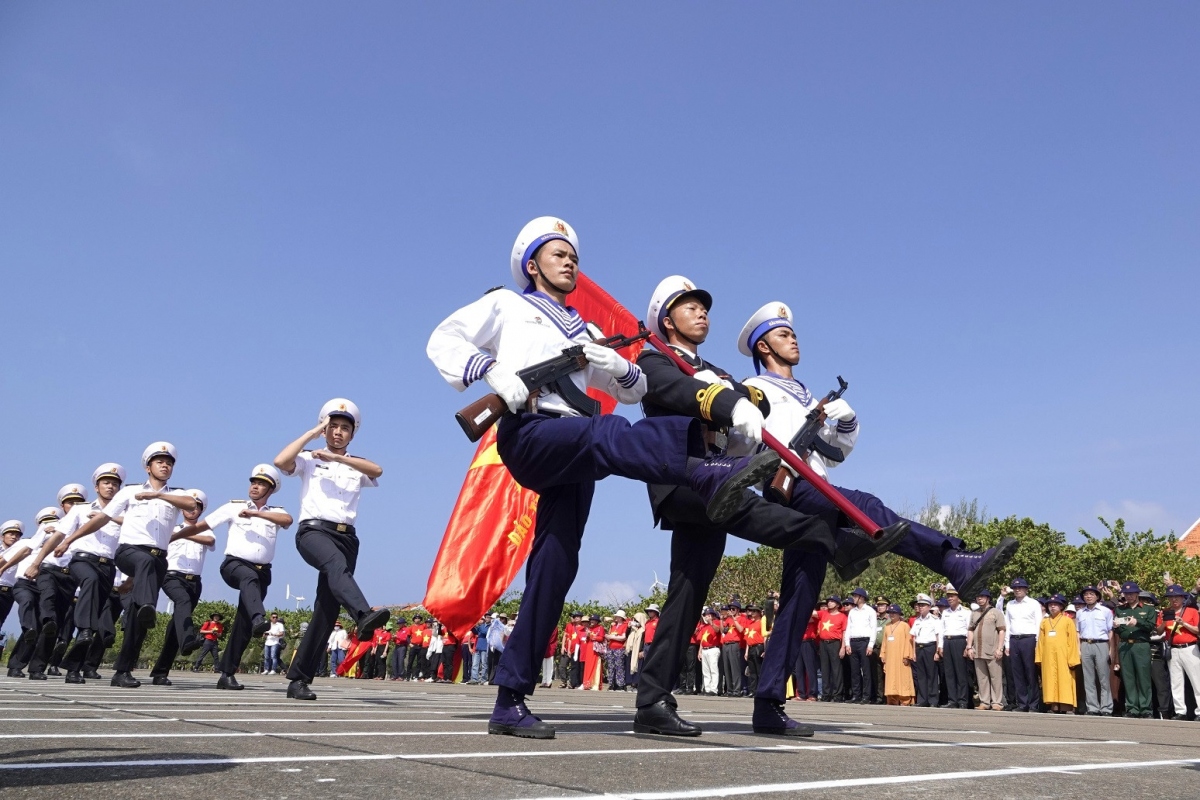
(538, 267)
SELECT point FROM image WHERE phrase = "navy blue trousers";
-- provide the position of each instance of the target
(561, 459)
(923, 545)
(803, 573)
(1024, 671)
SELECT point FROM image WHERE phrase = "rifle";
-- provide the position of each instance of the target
(852, 512)
(807, 441)
(549, 376)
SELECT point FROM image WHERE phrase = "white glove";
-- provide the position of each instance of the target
(510, 388)
(839, 410)
(710, 377)
(606, 359)
(748, 421)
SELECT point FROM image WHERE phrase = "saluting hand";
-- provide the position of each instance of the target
(319, 430)
(145, 495)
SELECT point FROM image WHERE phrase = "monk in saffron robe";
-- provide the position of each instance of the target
(1058, 654)
(896, 653)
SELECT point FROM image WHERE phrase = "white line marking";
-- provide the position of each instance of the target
(680, 750)
(235, 734)
(773, 788)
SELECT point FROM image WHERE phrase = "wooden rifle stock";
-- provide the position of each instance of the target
(476, 418)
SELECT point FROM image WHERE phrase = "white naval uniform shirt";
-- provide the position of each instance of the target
(519, 330)
(53, 527)
(101, 543)
(34, 543)
(860, 624)
(251, 539)
(790, 402)
(956, 622)
(147, 522)
(329, 490)
(927, 630)
(9, 576)
(184, 555)
(1023, 617)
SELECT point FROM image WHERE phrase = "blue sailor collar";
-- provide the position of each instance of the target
(790, 385)
(565, 318)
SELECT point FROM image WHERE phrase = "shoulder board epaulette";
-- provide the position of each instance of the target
(493, 289)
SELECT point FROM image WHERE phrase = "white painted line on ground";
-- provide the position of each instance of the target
(95, 719)
(848, 783)
(679, 750)
(235, 734)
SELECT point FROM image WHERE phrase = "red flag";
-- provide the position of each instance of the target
(491, 528)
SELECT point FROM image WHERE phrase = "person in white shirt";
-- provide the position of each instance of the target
(1023, 616)
(183, 585)
(27, 596)
(330, 484)
(249, 550)
(10, 533)
(557, 445)
(149, 513)
(337, 648)
(927, 641)
(272, 646)
(956, 621)
(91, 565)
(56, 587)
(858, 641)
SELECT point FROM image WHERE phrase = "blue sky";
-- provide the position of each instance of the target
(214, 218)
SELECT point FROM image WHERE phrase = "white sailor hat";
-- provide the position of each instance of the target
(341, 407)
(535, 234)
(268, 473)
(12, 525)
(108, 470)
(771, 316)
(199, 496)
(72, 491)
(924, 599)
(159, 449)
(667, 293)
(47, 514)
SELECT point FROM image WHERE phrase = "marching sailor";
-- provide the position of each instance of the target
(28, 598)
(330, 484)
(149, 512)
(183, 585)
(92, 568)
(678, 313)
(559, 450)
(56, 587)
(10, 533)
(249, 550)
(770, 340)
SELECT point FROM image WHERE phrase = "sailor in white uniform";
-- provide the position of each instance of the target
(27, 596)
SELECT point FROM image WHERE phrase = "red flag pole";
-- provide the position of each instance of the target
(789, 457)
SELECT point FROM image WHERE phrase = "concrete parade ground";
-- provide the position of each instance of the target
(385, 740)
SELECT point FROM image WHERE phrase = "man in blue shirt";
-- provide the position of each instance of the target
(1094, 623)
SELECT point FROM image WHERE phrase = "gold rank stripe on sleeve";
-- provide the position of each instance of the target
(705, 398)
(756, 395)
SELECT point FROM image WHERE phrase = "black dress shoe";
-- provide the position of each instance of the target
(15, 673)
(146, 618)
(191, 645)
(161, 680)
(298, 690)
(370, 621)
(124, 680)
(229, 682)
(84, 635)
(37, 676)
(75, 677)
(260, 627)
(91, 674)
(54, 671)
(663, 719)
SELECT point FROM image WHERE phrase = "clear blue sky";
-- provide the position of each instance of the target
(215, 217)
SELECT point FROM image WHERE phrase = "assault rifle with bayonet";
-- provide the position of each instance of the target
(806, 442)
(550, 376)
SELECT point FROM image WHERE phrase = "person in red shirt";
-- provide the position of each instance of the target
(212, 631)
(548, 660)
(1181, 627)
(615, 657)
(804, 679)
(710, 653)
(831, 625)
(733, 668)
(448, 655)
(399, 648)
(593, 654)
(754, 640)
(380, 642)
(576, 645)
(648, 634)
(413, 670)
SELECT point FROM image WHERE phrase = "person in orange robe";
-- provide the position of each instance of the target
(593, 654)
(896, 654)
